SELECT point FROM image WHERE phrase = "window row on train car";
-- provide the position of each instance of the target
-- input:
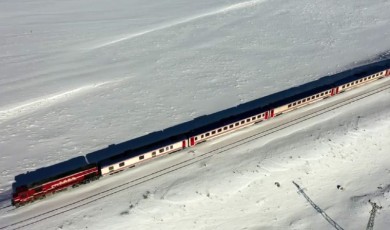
(311, 98)
(142, 157)
(231, 126)
(361, 80)
(297, 103)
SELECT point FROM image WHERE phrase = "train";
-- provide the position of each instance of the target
(47, 181)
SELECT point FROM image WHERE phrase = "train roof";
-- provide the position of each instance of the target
(52, 172)
(125, 153)
(208, 122)
(289, 95)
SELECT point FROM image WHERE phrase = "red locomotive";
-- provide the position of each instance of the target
(39, 188)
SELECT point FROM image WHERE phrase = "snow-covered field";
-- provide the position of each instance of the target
(76, 76)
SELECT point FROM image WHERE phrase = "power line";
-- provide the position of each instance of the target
(318, 209)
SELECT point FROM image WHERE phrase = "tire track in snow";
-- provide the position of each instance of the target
(222, 10)
(37, 104)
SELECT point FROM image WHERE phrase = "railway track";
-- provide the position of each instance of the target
(127, 185)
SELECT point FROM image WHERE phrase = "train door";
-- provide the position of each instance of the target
(335, 91)
(184, 144)
(192, 141)
(269, 114)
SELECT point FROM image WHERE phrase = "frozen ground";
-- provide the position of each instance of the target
(76, 76)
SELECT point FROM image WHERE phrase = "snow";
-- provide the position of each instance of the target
(77, 76)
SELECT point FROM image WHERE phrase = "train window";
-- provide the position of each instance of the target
(294, 104)
(259, 116)
(253, 118)
(299, 102)
(213, 132)
(308, 99)
(230, 126)
(237, 123)
(121, 164)
(248, 120)
(207, 134)
(361, 80)
(317, 95)
(225, 128)
(111, 168)
(322, 94)
(343, 86)
(242, 122)
(196, 138)
(304, 100)
(219, 130)
(167, 148)
(313, 97)
(172, 146)
(202, 136)
(161, 150)
(141, 157)
(153, 154)
(289, 105)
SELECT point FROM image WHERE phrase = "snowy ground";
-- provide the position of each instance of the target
(76, 76)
